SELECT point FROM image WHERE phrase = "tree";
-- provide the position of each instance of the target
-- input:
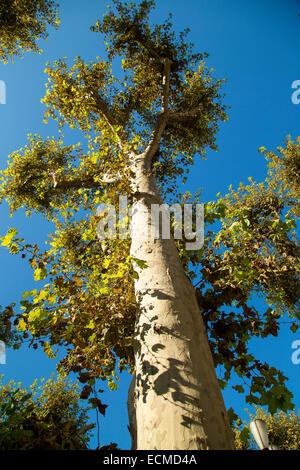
(45, 417)
(22, 23)
(130, 303)
(254, 253)
(283, 430)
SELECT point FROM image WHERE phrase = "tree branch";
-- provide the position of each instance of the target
(76, 183)
(107, 178)
(182, 116)
(166, 84)
(102, 106)
(141, 40)
(163, 117)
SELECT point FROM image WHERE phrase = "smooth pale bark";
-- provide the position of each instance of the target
(176, 400)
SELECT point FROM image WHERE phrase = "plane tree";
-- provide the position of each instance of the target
(129, 302)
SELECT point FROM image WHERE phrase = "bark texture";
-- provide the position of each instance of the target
(177, 400)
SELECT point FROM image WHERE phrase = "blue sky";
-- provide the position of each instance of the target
(254, 45)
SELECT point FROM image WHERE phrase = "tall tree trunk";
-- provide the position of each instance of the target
(177, 399)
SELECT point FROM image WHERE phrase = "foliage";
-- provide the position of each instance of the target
(85, 296)
(283, 430)
(88, 300)
(22, 23)
(44, 417)
(254, 253)
(8, 334)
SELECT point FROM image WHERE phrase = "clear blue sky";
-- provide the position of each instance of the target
(254, 45)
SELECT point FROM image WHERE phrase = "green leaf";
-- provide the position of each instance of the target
(40, 274)
(245, 434)
(6, 240)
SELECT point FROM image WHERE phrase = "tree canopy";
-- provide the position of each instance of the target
(22, 23)
(45, 417)
(87, 301)
(283, 430)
